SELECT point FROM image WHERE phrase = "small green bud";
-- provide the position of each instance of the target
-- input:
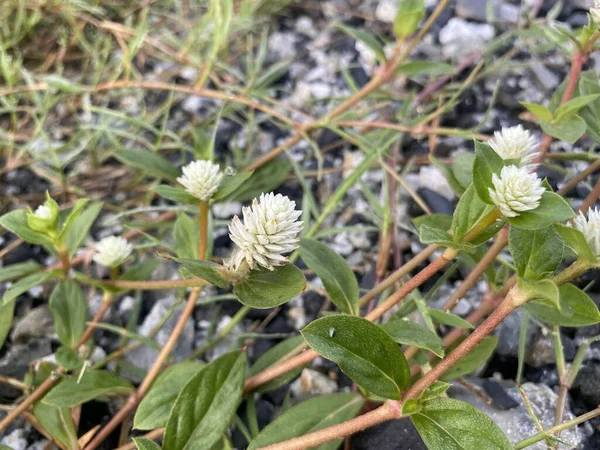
(45, 217)
(408, 18)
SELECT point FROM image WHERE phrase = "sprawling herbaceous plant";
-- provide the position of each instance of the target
(262, 240)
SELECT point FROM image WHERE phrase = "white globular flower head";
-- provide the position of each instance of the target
(43, 212)
(590, 228)
(112, 251)
(516, 190)
(201, 179)
(595, 12)
(269, 231)
(515, 143)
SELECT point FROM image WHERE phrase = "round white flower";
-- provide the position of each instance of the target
(112, 251)
(515, 143)
(43, 212)
(590, 228)
(516, 190)
(201, 179)
(269, 230)
(595, 12)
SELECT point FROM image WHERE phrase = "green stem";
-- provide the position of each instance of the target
(572, 272)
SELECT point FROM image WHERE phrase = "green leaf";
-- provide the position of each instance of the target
(149, 162)
(145, 444)
(363, 351)
(63, 84)
(433, 68)
(266, 289)
(335, 273)
(67, 357)
(448, 173)
(230, 184)
(265, 179)
(176, 194)
(309, 416)
(280, 352)
(552, 209)
(572, 106)
(18, 270)
(24, 284)
(536, 253)
(446, 318)
(186, 237)
(541, 292)
(409, 16)
(72, 217)
(469, 211)
(439, 221)
(448, 424)
(93, 384)
(487, 163)
(429, 235)
(57, 422)
(435, 390)
(140, 271)
(154, 409)
(577, 309)
(7, 312)
(207, 270)
(80, 228)
(472, 360)
(16, 222)
(366, 38)
(462, 168)
(576, 240)
(68, 306)
(539, 111)
(568, 130)
(206, 405)
(411, 333)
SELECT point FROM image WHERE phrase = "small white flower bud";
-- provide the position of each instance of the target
(515, 143)
(590, 228)
(112, 251)
(269, 231)
(201, 179)
(516, 190)
(595, 12)
(43, 212)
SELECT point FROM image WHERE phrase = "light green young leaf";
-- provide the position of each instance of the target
(7, 311)
(69, 308)
(278, 353)
(363, 351)
(472, 360)
(536, 253)
(69, 222)
(409, 16)
(411, 333)
(438, 221)
(572, 106)
(541, 292)
(206, 405)
(539, 111)
(185, 236)
(448, 173)
(462, 168)
(333, 270)
(266, 289)
(552, 209)
(16, 222)
(309, 416)
(576, 240)
(469, 211)
(230, 184)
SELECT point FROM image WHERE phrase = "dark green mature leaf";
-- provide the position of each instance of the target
(278, 353)
(176, 194)
(80, 227)
(18, 270)
(149, 162)
(472, 360)
(366, 38)
(69, 308)
(577, 309)
(413, 68)
(446, 318)
(7, 311)
(145, 444)
(154, 409)
(16, 222)
(469, 211)
(429, 235)
(448, 424)
(266, 289)
(67, 357)
(439, 221)
(568, 130)
(552, 209)
(576, 240)
(206, 405)
(73, 215)
(265, 179)
(24, 284)
(207, 270)
(93, 384)
(536, 253)
(487, 163)
(309, 416)
(57, 422)
(363, 351)
(335, 273)
(411, 333)
(186, 237)
(230, 184)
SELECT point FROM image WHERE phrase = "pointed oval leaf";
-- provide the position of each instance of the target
(69, 308)
(7, 311)
(280, 352)
(176, 194)
(577, 309)
(363, 351)
(552, 209)
(150, 162)
(448, 424)
(576, 241)
(207, 270)
(472, 360)
(81, 226)
(446, 318)
(311, 415)
(469, 211)
(487, 163)
(266, 289)
(337, 277)
(24, 284)
(410, 333)
(16, 222)
(18, 270)
(58, 423)
(230, 184)
(206, 404)
(536, 253)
